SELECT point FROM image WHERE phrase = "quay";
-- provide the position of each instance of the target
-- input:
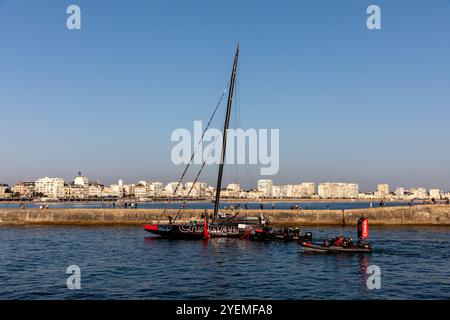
(421, 215)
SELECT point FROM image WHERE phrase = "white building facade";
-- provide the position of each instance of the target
(50, 187)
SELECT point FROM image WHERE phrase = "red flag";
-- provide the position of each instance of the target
(365, 228)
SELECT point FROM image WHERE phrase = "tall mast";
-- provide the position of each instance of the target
(225, 129)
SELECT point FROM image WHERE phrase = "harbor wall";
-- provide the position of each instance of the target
(424, 215)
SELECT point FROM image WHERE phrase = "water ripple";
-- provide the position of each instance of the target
(123, 263)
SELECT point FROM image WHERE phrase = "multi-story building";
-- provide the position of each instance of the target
(265, 186)
(50, 187)
(156, 189)
(128, 190)
(233, 190)
(78, 189)
(211, 192)
(303, 190)
(435, 194)
(419, 193)
(173, 189)
(24, 189)
(278, 192)
(141, 190)
(95, 189)
(4, 188)
(234, 187)
(75, 191)
(254, 194)
(400, 192)
(107, 192)
(81, 181)
(197, 190)
(118, 190)
(382, 191)
(331, 190)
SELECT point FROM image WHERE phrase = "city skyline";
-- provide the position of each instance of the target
(351, 104)
(344, 189)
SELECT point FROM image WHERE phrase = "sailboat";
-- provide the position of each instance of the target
(219, 225)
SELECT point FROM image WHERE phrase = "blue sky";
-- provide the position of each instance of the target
(351, 104)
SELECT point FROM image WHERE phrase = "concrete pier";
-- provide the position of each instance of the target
(420, 215)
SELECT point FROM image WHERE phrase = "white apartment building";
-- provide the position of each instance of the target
(3, 189)
(278, 191)
(95, 190)
(211, 192)
(419, 193)
(50, 187)
(233, 190)
(156, 189)
(333, 190)
(141, 190)
(382, 191)
(234, 187)
(436, 194)
(400, 192)
(75, 191)
(107, 192)
(198, 189)
(265, 186)
(303, 190)
(117, 190)
(128, 190)
(81, 181)
(24, 188)
(171, 187)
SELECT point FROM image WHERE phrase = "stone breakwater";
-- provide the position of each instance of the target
(424, 215)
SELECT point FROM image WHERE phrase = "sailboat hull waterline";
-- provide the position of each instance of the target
(197, 232)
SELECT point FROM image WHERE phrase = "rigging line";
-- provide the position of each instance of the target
(196, 179)
(201, 139)
(198, 145)
(247, 168)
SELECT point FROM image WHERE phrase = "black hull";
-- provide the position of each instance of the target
(278, 235)
(308, 246)
(196, 232)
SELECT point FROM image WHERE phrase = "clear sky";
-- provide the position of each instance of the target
(351, 104)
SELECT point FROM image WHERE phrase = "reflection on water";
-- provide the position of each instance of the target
(123, 262)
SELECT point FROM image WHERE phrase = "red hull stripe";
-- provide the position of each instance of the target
(151, 227)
